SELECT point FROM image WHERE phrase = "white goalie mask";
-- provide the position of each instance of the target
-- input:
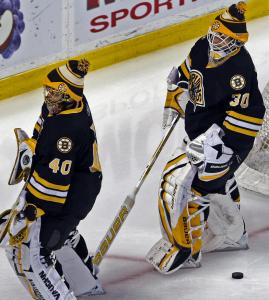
(221, 45)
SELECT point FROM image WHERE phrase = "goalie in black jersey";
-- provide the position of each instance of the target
(216, 91)
(63, 178)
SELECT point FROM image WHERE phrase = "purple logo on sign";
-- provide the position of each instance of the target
(11, 27)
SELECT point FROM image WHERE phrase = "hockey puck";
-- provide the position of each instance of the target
(237, 275)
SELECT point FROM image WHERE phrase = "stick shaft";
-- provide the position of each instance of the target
(128, 203)
(156, 154)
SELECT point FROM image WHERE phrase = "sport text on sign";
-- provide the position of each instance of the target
(136, 12)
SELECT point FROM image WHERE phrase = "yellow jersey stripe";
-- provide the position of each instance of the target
(47, 184)
(185, 70)
(244, 117)
(44, 197)
(37, 127)
(240, 130)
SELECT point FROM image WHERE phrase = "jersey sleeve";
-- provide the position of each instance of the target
(184, 73)
(52, 169)
(244, 117)
(39, 123)
(184, 69)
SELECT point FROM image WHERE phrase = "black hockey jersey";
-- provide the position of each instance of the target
(227, 95)
(66, 168)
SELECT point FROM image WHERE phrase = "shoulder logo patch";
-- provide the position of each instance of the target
(196, 88)
(238, 82)
(64, 145)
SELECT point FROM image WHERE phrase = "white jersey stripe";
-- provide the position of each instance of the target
(47, 191)
(243, 124)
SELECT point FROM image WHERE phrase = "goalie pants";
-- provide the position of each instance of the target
(223, 185)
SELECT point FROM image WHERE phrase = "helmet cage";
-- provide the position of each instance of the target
(221, 43)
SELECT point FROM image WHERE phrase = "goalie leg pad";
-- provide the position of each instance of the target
(38, 269)
(77, 266)
(226, 227)
(181, 216)
(4, 224)
(167, 258)
(174, 186)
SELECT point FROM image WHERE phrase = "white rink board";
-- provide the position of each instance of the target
(55, 30)
(120, 20)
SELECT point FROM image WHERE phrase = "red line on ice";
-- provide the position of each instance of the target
(149, 269)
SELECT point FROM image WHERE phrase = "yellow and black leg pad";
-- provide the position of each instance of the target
(181, 218)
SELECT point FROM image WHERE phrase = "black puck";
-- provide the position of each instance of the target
(237, 275)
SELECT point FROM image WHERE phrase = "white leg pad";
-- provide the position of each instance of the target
(41, 280)
(77, 274)
(226, 229)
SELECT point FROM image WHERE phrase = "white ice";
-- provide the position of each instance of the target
(127, 103)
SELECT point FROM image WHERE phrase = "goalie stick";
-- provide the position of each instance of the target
(129, 202)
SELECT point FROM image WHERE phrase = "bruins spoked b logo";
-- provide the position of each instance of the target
(238, 82)
(64, 145)
(196, 88)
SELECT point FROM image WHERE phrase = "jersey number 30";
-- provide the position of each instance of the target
(63, 167)
(239, 99)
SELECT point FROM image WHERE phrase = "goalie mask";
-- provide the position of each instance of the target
(63, 86)
(228, 32)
